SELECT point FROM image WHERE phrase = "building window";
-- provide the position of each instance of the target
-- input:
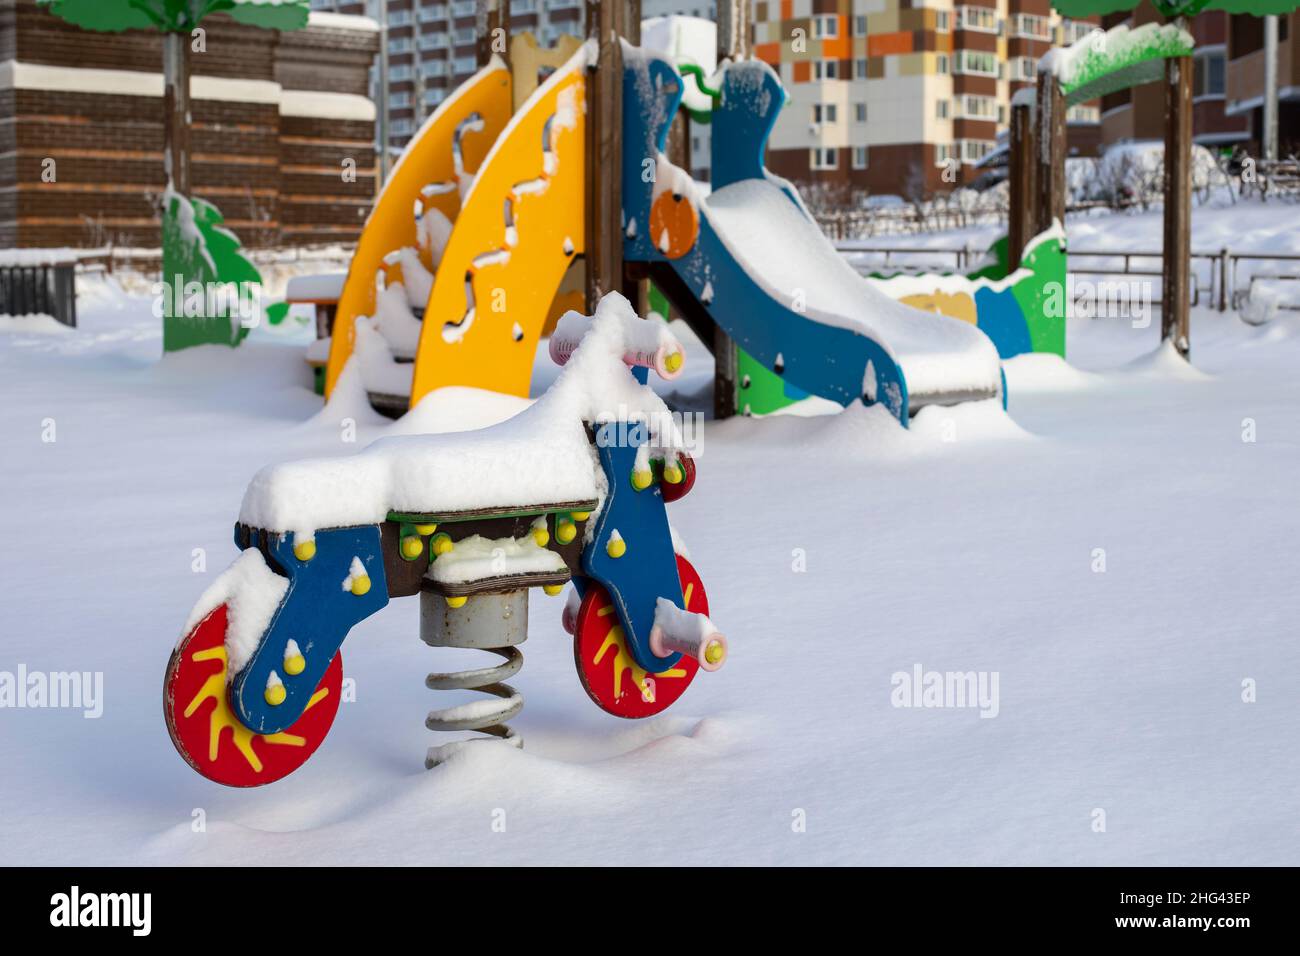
(973, 150)
(824, 158)
(941, 64)
(399, 101)
(824, 113)
(860, 68)
(434, 96)
(401, 71)
(463, 8)
(971, 106)
(941, 109)
(1031, 25)
(942, 21)
(1087, 115)
(944, 153)
(1209, 74)
(860, 112)
(826, 69)
(975, 62)
(826, 27)
(433, 12)
(859, 157)
(1024, 68)
(978, 19)
(463, 36)
(399, 18)
(860, 26)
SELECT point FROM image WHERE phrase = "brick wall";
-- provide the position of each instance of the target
(277, 179)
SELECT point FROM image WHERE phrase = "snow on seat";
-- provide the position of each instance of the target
(944, 360)
(541, 459)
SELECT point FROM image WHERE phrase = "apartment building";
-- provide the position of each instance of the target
(1244, 80)
(431, 48)
(1138, 113)
(904, 96)
(274, 118)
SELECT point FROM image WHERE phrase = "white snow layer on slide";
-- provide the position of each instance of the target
(540, 456)
(251, 592)
(787, 255)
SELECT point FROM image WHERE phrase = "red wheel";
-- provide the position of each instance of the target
(205, 729)
(681, 489)
(605, 666)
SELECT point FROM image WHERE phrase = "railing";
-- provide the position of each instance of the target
(1218, 279)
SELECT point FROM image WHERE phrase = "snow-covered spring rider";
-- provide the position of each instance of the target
(571, 489)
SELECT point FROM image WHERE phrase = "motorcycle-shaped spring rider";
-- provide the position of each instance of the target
(573, 489)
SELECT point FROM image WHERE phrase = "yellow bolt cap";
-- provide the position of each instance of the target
(565, 532)
(412, 547)
(295, 665)
(425, 529)
(673, 473)
(361, 584)
(305, 550)
(457, 601)
(641, 480)
(580, 515)
(275, 695)
(616, 548)
(673, 361)
(715, 652)
(442, 544)
(552, 589)
(542, 537)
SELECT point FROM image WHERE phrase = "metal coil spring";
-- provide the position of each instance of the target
(492, 623)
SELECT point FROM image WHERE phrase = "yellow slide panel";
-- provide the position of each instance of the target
(428, 159)
(520, 228)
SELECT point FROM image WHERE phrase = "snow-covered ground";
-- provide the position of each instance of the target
(837, 553)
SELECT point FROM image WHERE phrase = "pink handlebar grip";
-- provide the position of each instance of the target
(667, 362)
(709, 649)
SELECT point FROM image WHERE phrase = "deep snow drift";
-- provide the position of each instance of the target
(837, 552)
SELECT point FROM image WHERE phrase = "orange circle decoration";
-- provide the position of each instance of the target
(205, 729)
(674, 224)
(605, 666)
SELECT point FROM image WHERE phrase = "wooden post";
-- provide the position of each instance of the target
(492, 31)
(1176, 273)
(733, 44)
(1021, 170)
(1049, 121)
(176, 110)
(604, 214)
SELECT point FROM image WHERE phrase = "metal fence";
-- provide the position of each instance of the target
(42, 289)
(1221, 280)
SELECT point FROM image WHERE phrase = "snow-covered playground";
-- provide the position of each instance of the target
(1109, 560)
